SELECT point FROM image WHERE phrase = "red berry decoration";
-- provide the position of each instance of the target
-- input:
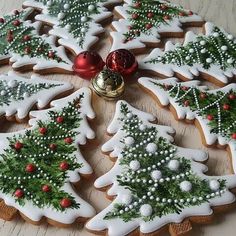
(150, 14)
(65, 203)
(53, 146)
(18, 145)
(42, 130)
(46, 188)
(30, 168)
(123, 62)
(19, 193)
(68, 140)
(210, 117)
(51, 54)
(135, 16)
(137, 4)
(186, 103)
(148, 26)
(60, 119)
(64, 166)
(2, 20)
(232, 96)
(88, 64)
(226, 107)
(26, 38)
(27, 50)
(166, 17)
(233, 136)
(16, 23)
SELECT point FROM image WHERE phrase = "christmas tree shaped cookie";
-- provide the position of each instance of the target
(143, 23)
(76, 23)
(156, 183)
(39, 164)
(22, 45)
(211, 56)
(18, 94)
(212, 111)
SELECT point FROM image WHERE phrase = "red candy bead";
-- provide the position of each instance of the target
(65, 203)
(16, 23)
(148, 26)
(68, 140)
(18, 145)
(60, 119)
(166, 17)
(2, 20)
(19, 193)
(64, 166)
(42, 130)
(88, 64)
(30, 168)
(46, 188)
(226, 107)
(27, 50)
(186, 103)
(210, 117)
(51, 54)
(232, 96)
(53, 146)
(123, 62)
(137, 4)
(150, 14)
(233, 136)
(135, 16)
(26, 38)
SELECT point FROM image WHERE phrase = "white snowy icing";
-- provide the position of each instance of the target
(174, 165)
(186, 186)
(121, 27)
(186, 113)
(65, 37)
(21, 108)
(117, 226)
(69, 215)
(189, 72)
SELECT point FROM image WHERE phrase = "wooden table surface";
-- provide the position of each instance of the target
(222, 13)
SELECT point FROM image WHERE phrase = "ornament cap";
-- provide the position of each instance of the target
(108, 84)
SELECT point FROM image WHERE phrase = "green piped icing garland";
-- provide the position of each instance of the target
(159, 180)
(146, 14)
(219, 48)
(36, 164)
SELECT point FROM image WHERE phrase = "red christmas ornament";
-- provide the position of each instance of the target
(30, 168)
(137, 4)
(203, 95)
(210, 117)
(226, 107)
(68, 140)
(166, 17)
(88, 64)
(46, 188)
(19, 193)
(135, 16)
(64, 166)
(186, 103)
(16, 22)
(65, 203)
(18, 145)
(148, 26)
(53, 146)
(42, 130)
(232, 96)
(123, 62)
(2, 20)
(51, 54)
(60, 119)
(27, 50)
(150, 14)
(233, 136)
(26, 38)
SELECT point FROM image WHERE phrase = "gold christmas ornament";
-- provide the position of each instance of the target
(108, 84)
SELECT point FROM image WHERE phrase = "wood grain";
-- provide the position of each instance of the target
(221, 13)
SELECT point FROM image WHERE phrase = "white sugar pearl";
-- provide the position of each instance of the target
(186, 186)
(224, 48)
(129, 115)
(187, 57)
(230, 61)
(49, 3)
(66, 6)
(191, 50)
(209, 60)
(202, 42)
(60, 15)
(129, 141)
(146, 210)
(83, 30)
(134, 165)
(3, 93)
(25, 95)
(78, 39)
(91, 7)
(151, 148)
(173, 165)
(156, 175)
(127, 199)
(84, 18)
(142, 127)
(12, 83)
(214, 185)
(230, 37)
(203, 50)
(216, 34)
(68, 27)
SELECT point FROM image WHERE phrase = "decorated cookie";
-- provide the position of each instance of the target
(211, 56)
(38, 164)
(156, 183)
(76, 23)
(18, 94)
(143, 23)
(212, 111)
(22, 45)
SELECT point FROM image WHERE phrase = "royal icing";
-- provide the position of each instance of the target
(212, 54)
(25, 48)
(174, 186)
(212, 109)
(19, 94)
(76, 23)
(39, 163)
(144, 21)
